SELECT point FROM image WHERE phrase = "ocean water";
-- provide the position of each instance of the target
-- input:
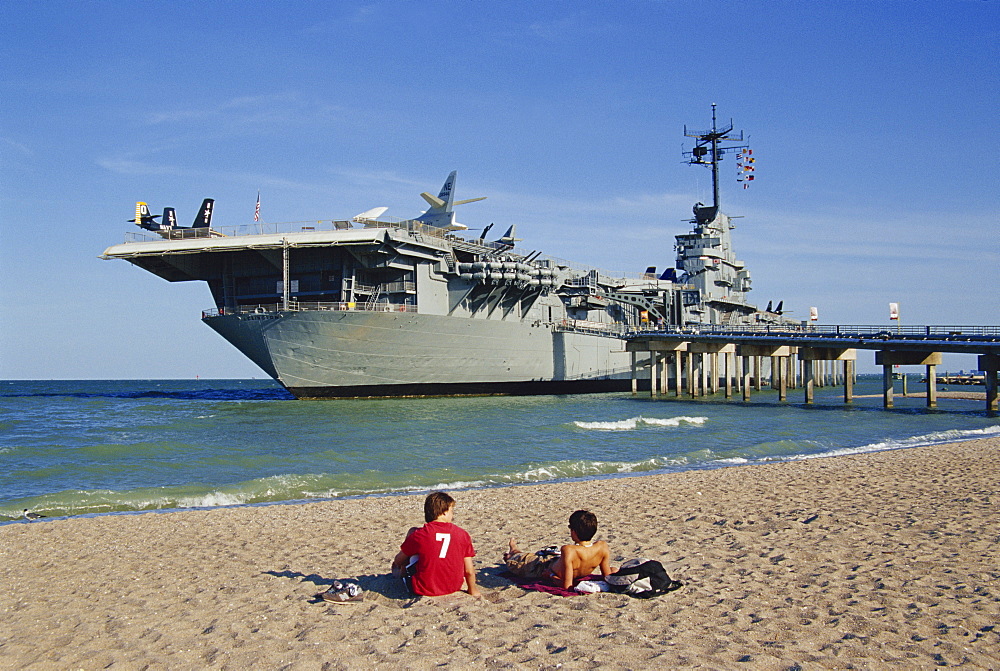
(85, 447)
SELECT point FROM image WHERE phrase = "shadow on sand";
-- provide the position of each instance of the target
(388, 590)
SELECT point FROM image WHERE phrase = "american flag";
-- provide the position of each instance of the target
(256, 210)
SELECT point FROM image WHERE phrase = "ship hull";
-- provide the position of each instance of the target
(335, 354)
(552, 387)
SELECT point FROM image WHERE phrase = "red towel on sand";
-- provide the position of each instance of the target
(547, 587)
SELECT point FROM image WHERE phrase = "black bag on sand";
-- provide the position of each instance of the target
(642, 578)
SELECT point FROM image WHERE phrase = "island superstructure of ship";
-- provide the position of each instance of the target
(377, 307)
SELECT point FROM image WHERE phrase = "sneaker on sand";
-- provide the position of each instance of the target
(343, 594)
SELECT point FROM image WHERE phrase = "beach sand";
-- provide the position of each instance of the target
(877, 561)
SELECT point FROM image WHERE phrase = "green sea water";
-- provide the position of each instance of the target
(86, 447)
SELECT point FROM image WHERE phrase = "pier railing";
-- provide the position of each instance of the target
(839, 330)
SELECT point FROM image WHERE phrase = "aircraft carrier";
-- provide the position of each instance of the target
(378, 307)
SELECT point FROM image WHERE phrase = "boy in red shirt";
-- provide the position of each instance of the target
(443, 551)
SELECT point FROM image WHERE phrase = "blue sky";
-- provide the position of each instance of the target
(874, 125)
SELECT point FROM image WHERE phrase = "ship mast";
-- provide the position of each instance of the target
(709, 150)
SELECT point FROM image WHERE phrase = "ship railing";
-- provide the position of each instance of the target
(590, 328)
(402, 286)
(588, 280)
(279, 228)
(307, 306)
(412, 226)
(601, 373)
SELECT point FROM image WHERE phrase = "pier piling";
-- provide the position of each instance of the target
(848, 381)
(808, 357)
(889, 358)
(989, 363)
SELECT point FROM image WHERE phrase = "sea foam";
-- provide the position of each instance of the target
(934, 438)
(582, 469)
(636, 422)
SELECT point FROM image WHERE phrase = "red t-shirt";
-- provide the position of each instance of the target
(442, 547)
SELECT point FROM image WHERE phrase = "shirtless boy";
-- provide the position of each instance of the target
(575, 561)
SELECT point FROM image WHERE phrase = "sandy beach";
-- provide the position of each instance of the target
(875, 561)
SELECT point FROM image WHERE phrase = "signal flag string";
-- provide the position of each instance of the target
(745, 167)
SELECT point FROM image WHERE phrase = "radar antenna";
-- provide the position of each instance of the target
(710, 149)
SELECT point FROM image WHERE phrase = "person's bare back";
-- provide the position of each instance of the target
(579, 560)
(575, 561)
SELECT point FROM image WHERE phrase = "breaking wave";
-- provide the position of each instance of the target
(637, 422)
(289, 488)
(934, 438)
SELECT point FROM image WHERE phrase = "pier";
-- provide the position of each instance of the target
(707, 358)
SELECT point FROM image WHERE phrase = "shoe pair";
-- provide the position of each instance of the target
(343, 592)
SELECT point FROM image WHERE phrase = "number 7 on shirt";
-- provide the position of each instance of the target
(445, 542)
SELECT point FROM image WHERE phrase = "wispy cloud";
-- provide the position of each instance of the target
(19, 147)
(126, 166)
(379, 178)
(129, 166)
(251, 112)
(15, 155)
(570, 27)
(888, 236)
(187, 127)
(596, 211)
(351, 15)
